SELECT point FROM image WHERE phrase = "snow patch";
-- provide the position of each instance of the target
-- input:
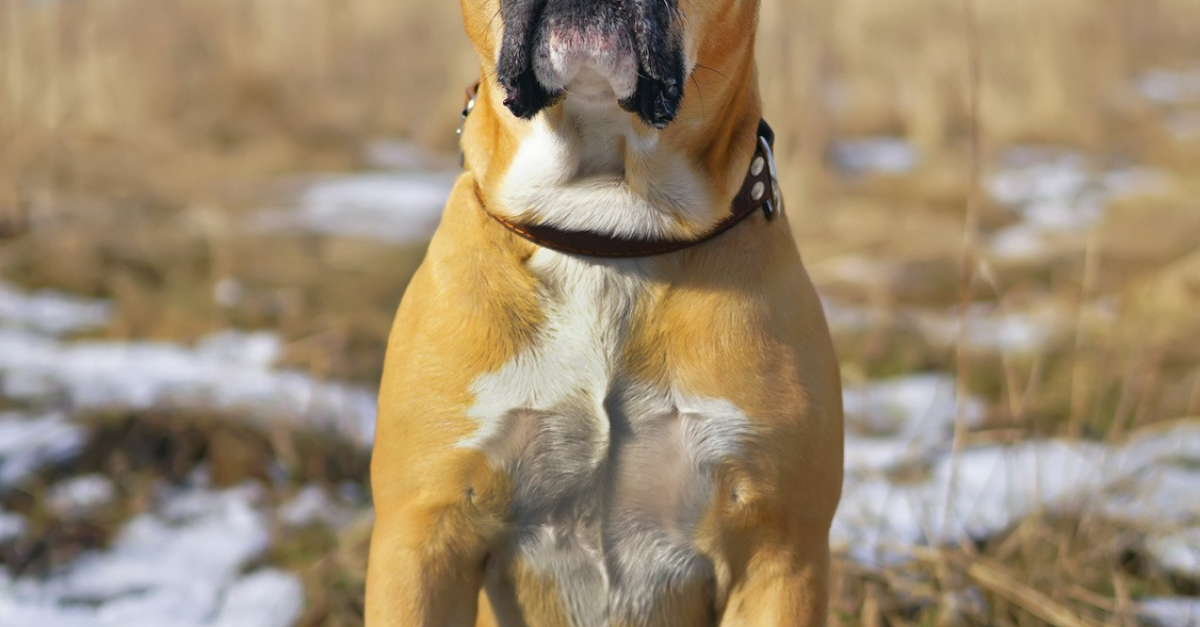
(1168, 87)
(882, 155)
(1178, 552)
(28, 443)
(983, 490)
(267, 598)
(394, 208)
(50, 312)
(1171, 491)
(1052, 191)
(313, 505)
(179, 565)
(1056, 193)
(1170, 612)
(990, 327)
(226, 371)
(902, 420)
(394, 154)
(77, 497)
(12, 526)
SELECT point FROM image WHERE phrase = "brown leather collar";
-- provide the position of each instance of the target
(760, 191)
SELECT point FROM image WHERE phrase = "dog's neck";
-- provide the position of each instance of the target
(587, 165)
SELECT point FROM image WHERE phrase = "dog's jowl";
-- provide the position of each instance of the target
(610, 396)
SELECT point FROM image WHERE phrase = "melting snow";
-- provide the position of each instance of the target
(12, 526)
(885, 155)
(179, 565)
(313, 505)
(1170, 87)
(1170, 612)
(983, 490)
(76, 497)
(50, 312)
(988, 327)
(29, 443)
(1052, 191)
(225, 371)
(395, 208)
(392, 154)
(267, 598)
(901, 420)
(182, 564)
(1178, 552)
(1020, 241)
(1055, 193)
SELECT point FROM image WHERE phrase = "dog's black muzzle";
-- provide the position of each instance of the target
(651, 26)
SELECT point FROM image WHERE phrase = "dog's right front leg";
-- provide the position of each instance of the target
(411, 583)
(427, 555)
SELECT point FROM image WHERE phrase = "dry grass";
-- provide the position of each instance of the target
(145, 451)
(1065, 571)
(133, 132)
(227, 77)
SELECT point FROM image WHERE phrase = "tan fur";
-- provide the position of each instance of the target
(735, 320)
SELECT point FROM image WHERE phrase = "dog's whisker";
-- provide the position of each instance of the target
(700, 95)
(714, 71)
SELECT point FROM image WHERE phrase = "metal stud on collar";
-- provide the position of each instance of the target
(756, 193)
(470, 106)
(771, 207)
(472, 96)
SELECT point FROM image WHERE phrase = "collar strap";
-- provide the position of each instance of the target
(759, 192)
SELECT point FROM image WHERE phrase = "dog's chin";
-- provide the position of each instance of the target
(595, 80)
(598, 68)
(602, 80)
(597, 94)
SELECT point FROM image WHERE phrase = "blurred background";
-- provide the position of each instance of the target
(209, 210)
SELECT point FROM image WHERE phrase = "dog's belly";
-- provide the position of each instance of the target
(611, 477)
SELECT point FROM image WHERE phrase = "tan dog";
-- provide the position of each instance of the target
(648, 439)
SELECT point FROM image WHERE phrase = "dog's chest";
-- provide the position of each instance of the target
(611, 476)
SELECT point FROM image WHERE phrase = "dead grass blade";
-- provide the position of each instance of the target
(997, 579)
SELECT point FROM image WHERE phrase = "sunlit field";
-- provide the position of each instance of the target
(209, 210)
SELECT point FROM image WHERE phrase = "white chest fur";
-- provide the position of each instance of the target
(593, 170)
(611, 475)
(587, 305)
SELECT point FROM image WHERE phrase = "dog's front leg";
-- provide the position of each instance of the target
(781, 586)
(435, 522)
(415, 580)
